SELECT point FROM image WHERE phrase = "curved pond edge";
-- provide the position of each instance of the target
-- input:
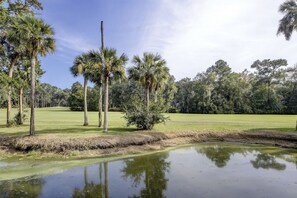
(35, 156)
(132, 143)
(27, 170)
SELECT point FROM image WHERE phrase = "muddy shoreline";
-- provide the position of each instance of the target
(138, 142)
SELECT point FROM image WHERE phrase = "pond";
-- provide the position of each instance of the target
(203, 170)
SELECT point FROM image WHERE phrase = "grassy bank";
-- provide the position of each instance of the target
(63, 123)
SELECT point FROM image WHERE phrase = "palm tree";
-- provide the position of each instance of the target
(13, 37)
(97, 77)
(82, 65)
(38, 38)
(113, 66)
(289, 22)
(150, 71)
(163, 78)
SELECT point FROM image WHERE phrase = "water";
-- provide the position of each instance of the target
(205, 170)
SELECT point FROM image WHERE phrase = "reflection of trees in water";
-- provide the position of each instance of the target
(267, 161)
(220, 155)
(92, 189)
(149, 170)
(26, 188)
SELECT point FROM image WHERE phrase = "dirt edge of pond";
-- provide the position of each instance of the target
(137, 142)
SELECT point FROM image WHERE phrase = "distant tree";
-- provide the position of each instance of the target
(218, 90)
(82, 65)
(51, 96)
(220, 73)
(76, 98)
(269, 74)
(185, 96)
(288, 23)
(121, 94)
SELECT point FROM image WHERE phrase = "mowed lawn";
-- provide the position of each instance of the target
(65, 123)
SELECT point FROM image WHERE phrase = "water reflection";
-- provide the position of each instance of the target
(221, 156)
(218, 154)
(91, 189)
(149, 170)
(178, 173)
(25, 189)
(267, 161)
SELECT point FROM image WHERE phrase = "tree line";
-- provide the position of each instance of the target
(270, 89)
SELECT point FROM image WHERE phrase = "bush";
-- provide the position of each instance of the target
(144, 119)
(17, 118)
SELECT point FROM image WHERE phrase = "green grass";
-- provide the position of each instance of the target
(62, 122)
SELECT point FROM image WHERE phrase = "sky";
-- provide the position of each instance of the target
(190, 34)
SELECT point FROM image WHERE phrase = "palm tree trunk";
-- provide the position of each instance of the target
(156, 96)
(8, 113)
(106, 180)
(32, 116)
(100, 89)
(86, 123)
(106, 105)
(21, 121)
(86, 176)
(100, 106)
(101, 180)
(147, 97)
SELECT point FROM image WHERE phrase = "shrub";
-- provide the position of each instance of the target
(144, 119)
(17, 118)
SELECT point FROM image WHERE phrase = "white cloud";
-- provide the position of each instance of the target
(192, 34)
(73, 42)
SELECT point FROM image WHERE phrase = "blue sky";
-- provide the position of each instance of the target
(190, 34)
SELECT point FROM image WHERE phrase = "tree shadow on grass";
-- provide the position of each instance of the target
(272, 129)
(75, 130)
(58, 110)
(89, 130)
(14, 130)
